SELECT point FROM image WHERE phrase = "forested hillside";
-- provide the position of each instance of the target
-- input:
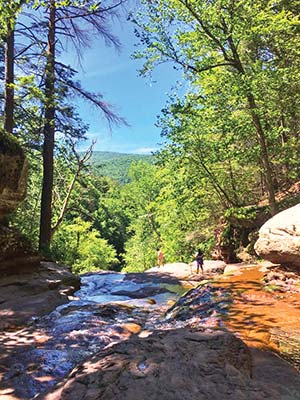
(231, 157)
(116, 165)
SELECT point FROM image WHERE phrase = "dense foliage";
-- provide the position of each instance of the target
(116, 165)
(231, 141)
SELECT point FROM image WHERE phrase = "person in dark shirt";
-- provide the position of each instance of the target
(199, 260)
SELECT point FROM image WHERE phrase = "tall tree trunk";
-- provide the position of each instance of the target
(264, 153)
(260, 134)
(49, 137)
(9, 81)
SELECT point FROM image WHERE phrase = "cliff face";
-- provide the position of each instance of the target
(29, 287)
(15, 254)
(13, 174)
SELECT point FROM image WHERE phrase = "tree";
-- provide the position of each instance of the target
(140, 196)
(66, 21)
(49, 134)
(81, 246)
(81, 161)
(204, 37)
(61, 18)
(9, 80)
(211, 136)
(8, 14)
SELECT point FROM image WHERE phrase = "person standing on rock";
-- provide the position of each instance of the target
(199, 260)
(160, 258)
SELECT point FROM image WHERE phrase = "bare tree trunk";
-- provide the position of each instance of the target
(9, 81)
(49, 137)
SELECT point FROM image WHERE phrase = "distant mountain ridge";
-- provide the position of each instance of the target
(116, 165)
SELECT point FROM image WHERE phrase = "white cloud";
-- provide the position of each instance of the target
(145, 150)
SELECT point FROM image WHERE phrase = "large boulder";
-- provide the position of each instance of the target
(180, 364)
(32, 293)
(279, 238)
(13, 174)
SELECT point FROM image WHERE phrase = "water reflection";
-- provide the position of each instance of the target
(263, 318)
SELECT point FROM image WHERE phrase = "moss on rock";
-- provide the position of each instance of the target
(13, 174)
(9, 145)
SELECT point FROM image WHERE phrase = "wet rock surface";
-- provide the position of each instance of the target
(179, 364)
(103, 312)
(204, 302)
(136, 346)
(37, 357)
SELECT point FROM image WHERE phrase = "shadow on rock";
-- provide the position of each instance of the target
(180, 364)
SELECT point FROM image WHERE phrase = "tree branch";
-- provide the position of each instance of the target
(81, 161)
(95, 99)
(206, 30)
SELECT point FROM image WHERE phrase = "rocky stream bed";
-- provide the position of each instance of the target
(160, 335)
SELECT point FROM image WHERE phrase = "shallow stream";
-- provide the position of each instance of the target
(263, 317)
(110, 307)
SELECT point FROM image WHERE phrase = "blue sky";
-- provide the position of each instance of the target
(135, 98)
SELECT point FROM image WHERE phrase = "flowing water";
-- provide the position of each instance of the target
(111, 307)
(263, 318)
(108, 308)
(242, 303)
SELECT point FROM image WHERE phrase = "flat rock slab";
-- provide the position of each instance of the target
(32, 294)
(183, 271)
(180, 364)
